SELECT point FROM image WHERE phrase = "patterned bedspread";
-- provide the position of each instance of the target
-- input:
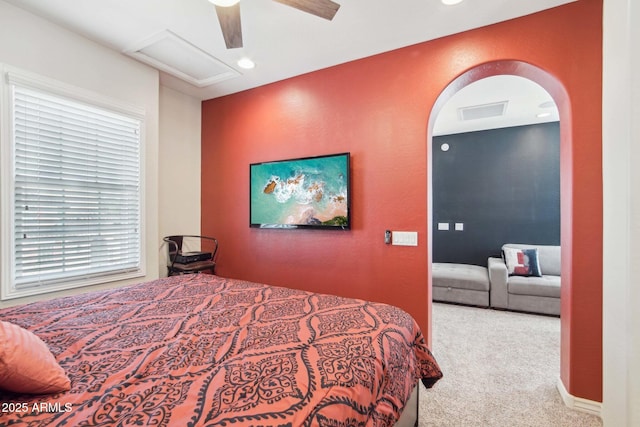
(201, 350)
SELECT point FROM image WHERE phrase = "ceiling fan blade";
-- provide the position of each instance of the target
(230, 25)
(323, 8)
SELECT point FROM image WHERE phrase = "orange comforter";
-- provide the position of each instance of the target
(201, 350)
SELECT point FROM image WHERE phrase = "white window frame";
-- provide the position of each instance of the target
(13, 76)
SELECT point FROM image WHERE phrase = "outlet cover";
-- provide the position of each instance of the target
(405, 238)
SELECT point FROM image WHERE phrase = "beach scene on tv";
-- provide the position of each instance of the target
(304, 192)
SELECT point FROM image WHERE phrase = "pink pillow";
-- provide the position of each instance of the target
(27, 365)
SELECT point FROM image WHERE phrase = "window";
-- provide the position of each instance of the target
(76, 199)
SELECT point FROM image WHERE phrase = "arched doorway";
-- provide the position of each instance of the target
(495, 174)
(561, 98)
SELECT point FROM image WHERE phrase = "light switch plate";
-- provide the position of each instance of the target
(405, 238)
(443, 226)
(459, 226)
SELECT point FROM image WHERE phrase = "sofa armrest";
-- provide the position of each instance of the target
(498, 278)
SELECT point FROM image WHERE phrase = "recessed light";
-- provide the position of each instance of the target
(246, 63)
(447, 2)
(543, 115)
(547, 104)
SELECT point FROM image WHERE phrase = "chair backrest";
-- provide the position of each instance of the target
(174, 246)
(176, 243)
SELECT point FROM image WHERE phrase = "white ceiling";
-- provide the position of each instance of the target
(282, 41)
(525, 100)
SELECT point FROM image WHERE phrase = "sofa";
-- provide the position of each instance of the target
(460, 283)
(519, 289)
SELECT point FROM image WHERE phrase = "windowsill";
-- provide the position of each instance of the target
(8, 294)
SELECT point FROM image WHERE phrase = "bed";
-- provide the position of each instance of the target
(202, 350)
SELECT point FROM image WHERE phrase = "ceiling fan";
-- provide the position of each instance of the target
(228, 12)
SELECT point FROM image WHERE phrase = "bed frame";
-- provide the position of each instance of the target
(409, 417)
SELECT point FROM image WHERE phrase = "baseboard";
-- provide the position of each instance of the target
(578, 403)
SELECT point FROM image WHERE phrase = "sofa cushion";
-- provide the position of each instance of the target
(460, 276)
(522, 262)
(549, 258)
(545, 286)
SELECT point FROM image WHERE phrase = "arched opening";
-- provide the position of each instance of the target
(496, 180)
(560, 97)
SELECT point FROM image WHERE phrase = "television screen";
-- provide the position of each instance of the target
(311, 192)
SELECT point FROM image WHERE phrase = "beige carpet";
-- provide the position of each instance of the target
(500, 369)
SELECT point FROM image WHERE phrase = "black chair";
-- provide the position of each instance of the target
(180, 260)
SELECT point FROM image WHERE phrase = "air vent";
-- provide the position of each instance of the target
(169, 52)
(483, 111)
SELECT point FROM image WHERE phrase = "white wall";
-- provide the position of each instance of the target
(621, 181)
(37, 46)
(180, 143)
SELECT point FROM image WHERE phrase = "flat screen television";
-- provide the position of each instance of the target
(309, 192)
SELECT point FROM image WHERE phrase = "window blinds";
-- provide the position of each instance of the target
(77, 204)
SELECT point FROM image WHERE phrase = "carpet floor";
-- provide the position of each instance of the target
(500, 369)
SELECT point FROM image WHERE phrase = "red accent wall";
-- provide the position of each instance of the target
(378, 108)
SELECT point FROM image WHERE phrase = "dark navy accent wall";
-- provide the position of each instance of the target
(503, 185)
